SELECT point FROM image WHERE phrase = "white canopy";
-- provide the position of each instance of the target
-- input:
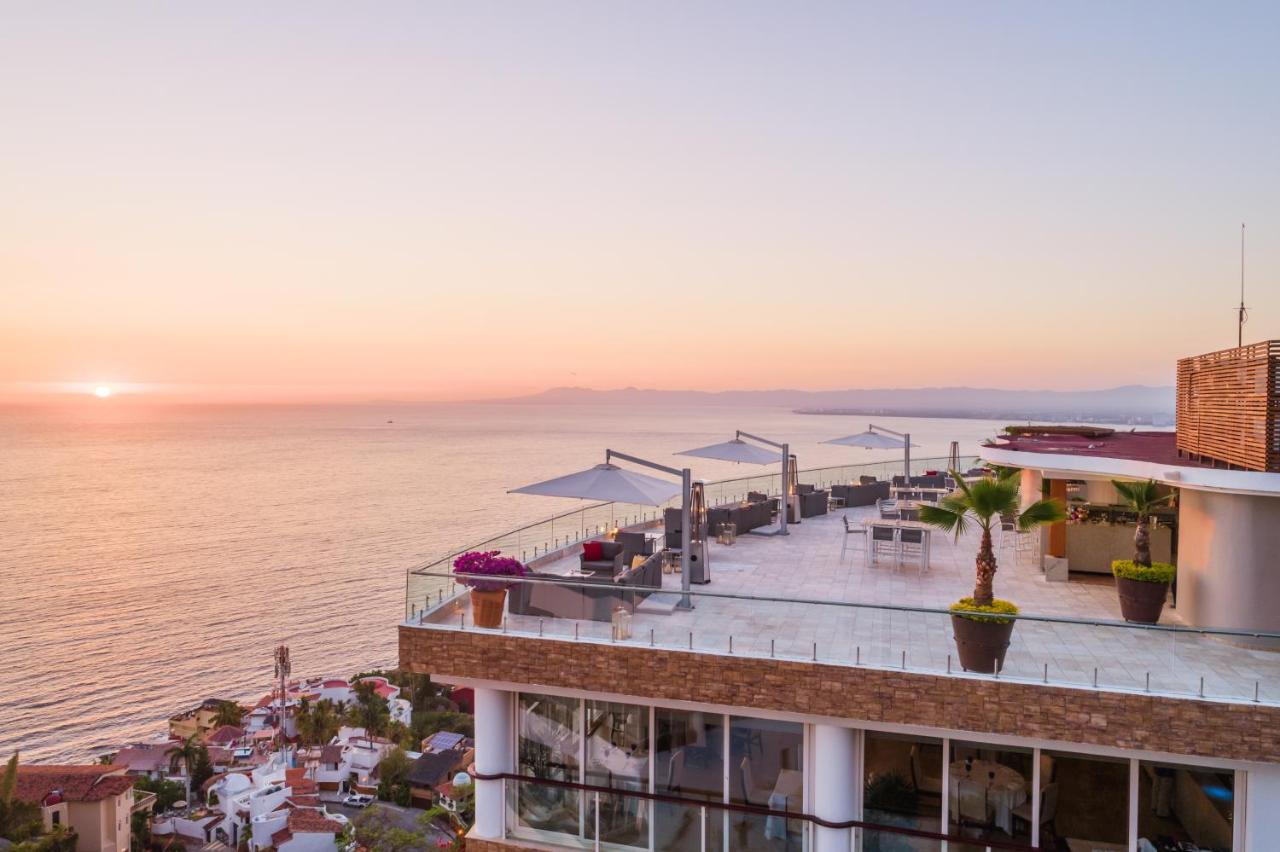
(871, 441)
(736, 450)
(607, 482)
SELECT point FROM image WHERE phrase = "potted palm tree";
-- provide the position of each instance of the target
(982, 623)
(1142, 584)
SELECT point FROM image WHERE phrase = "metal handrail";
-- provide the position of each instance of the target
(422, 567)
(755, 810)
(1050, 619)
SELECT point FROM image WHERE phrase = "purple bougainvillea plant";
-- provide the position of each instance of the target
(480, 568)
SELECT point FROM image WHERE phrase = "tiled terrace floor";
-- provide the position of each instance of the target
(807, 565)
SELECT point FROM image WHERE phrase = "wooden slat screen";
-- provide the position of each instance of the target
(1229, 407)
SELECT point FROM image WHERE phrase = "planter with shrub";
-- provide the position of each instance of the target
(1142, 589)
(486, 572)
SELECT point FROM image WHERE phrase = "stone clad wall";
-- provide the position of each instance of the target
(1245, 732)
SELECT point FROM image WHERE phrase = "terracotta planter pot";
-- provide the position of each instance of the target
(1141, 602)
(981, 644)
(487, 607)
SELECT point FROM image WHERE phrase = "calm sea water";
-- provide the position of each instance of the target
(152, 559)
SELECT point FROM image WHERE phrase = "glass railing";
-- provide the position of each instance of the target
(564, 814)
(1168, 660)
(538, 539)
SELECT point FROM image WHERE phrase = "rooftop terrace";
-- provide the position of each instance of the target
(795, 597)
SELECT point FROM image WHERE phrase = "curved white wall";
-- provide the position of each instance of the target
(1229, 560)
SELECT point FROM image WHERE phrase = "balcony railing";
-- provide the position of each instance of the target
(1117, 656)
(538, 539)
(713, 822)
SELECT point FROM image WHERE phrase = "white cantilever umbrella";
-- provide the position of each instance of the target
(880, 438)
(736, 450)
(607, 482)
(871, 441)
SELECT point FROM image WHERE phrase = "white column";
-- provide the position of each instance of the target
(1261, 814)
(495, 730)
(835, 783)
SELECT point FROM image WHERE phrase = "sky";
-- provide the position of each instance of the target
(316, 200)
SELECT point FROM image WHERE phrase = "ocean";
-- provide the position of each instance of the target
(154, 557)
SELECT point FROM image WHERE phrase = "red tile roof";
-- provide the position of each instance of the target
(310, 820)
(1157, 447)
(77, 783)
(331, 754)
(226, 735)
(281, 837)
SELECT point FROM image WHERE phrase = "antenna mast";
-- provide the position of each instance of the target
(1242, 313)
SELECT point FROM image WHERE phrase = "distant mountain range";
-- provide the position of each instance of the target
(1128, 404)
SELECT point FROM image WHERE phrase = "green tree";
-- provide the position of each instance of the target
(167, 792)
(182, 755)
(377, 831)
(60, 839)
(19, 820)
(140, 832)
(428, 722)
(369, 711)
(229, 713)
(202, 769)
(983, 503)
(1142, 498)
(318, 723)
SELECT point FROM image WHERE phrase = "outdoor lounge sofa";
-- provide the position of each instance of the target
(591, 597)
(611, 561)
(861, 495)
(746, 516)
(812, 501)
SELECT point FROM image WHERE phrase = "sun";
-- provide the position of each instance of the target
(102, 391)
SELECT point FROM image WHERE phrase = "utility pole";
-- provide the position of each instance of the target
(283, 669)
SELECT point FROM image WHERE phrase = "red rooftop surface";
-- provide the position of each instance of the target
(76, 783)
(1155, 447)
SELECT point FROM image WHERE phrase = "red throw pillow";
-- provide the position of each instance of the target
(593, 551)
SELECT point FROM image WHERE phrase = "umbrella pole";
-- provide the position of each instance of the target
(906, 456)
(785, 506)
(686, 538)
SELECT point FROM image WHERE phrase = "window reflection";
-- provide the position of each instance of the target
(617, 737)
(688, 762)
(1185, 807)
(548, 728)
(903, 788)
(766, 769)
(1083, 799)
(990, 792)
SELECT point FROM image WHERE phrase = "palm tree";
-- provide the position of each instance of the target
(184, 754)
(982, 503)
(229, 713)
(1142, 498)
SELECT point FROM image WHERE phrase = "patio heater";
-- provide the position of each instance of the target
(699, 560)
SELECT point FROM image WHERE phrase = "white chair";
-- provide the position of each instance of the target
(911, 544)
(884, 539)
(1048, 806)
(856, 533)
(971, 803)
(1027, 545)
(888, 509)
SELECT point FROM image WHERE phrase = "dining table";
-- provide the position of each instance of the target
(1004, 789)
(897, 525)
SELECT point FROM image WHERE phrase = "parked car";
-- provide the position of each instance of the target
(340, 819)
(358, 800)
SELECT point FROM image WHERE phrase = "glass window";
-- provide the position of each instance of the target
(902, 787)
(989, 792)
(548, 741)
(1083, 798)
(766, 769)
(1181, 805)
(688, 762)
(617, 738)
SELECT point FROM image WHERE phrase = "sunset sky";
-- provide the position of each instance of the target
(465, 200)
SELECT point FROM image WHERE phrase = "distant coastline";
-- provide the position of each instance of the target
(1014, 417)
